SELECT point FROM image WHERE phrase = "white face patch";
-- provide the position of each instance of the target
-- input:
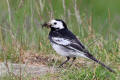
(56, 24)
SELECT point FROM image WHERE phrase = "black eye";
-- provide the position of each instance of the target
(55, 23)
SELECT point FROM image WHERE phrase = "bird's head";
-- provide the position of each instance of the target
(55, 24)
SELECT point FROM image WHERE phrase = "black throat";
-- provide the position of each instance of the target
(54, 29)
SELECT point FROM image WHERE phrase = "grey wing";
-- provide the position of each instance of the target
(73, 44)
(61, 41)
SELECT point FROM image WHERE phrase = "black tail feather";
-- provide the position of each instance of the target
(94, 59)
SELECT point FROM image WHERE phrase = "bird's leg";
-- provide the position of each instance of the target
(68, 58)
(72, 61)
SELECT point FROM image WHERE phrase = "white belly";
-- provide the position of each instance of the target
(61, 50)
(66, 52)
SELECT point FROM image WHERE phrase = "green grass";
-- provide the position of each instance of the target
(20, 29)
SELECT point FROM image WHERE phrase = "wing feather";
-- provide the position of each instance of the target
(61, 41)
(71, 44)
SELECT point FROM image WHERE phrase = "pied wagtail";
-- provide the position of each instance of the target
(65, 43)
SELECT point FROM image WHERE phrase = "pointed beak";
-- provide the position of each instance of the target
(46, 24)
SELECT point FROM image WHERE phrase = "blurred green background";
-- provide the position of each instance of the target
(90, 20)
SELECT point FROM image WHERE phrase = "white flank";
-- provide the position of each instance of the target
(61, 50)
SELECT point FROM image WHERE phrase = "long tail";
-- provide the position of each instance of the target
(94, 59)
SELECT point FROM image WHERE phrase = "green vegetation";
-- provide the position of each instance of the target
(90, 20)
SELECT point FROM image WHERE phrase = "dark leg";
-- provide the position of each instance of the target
(72, 61)
(68, 58)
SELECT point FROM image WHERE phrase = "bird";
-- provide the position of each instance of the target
(66, 44)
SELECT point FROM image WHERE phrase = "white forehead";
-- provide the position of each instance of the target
(52, 21)
(58, 24)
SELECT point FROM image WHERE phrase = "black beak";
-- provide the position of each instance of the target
(46, 25)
